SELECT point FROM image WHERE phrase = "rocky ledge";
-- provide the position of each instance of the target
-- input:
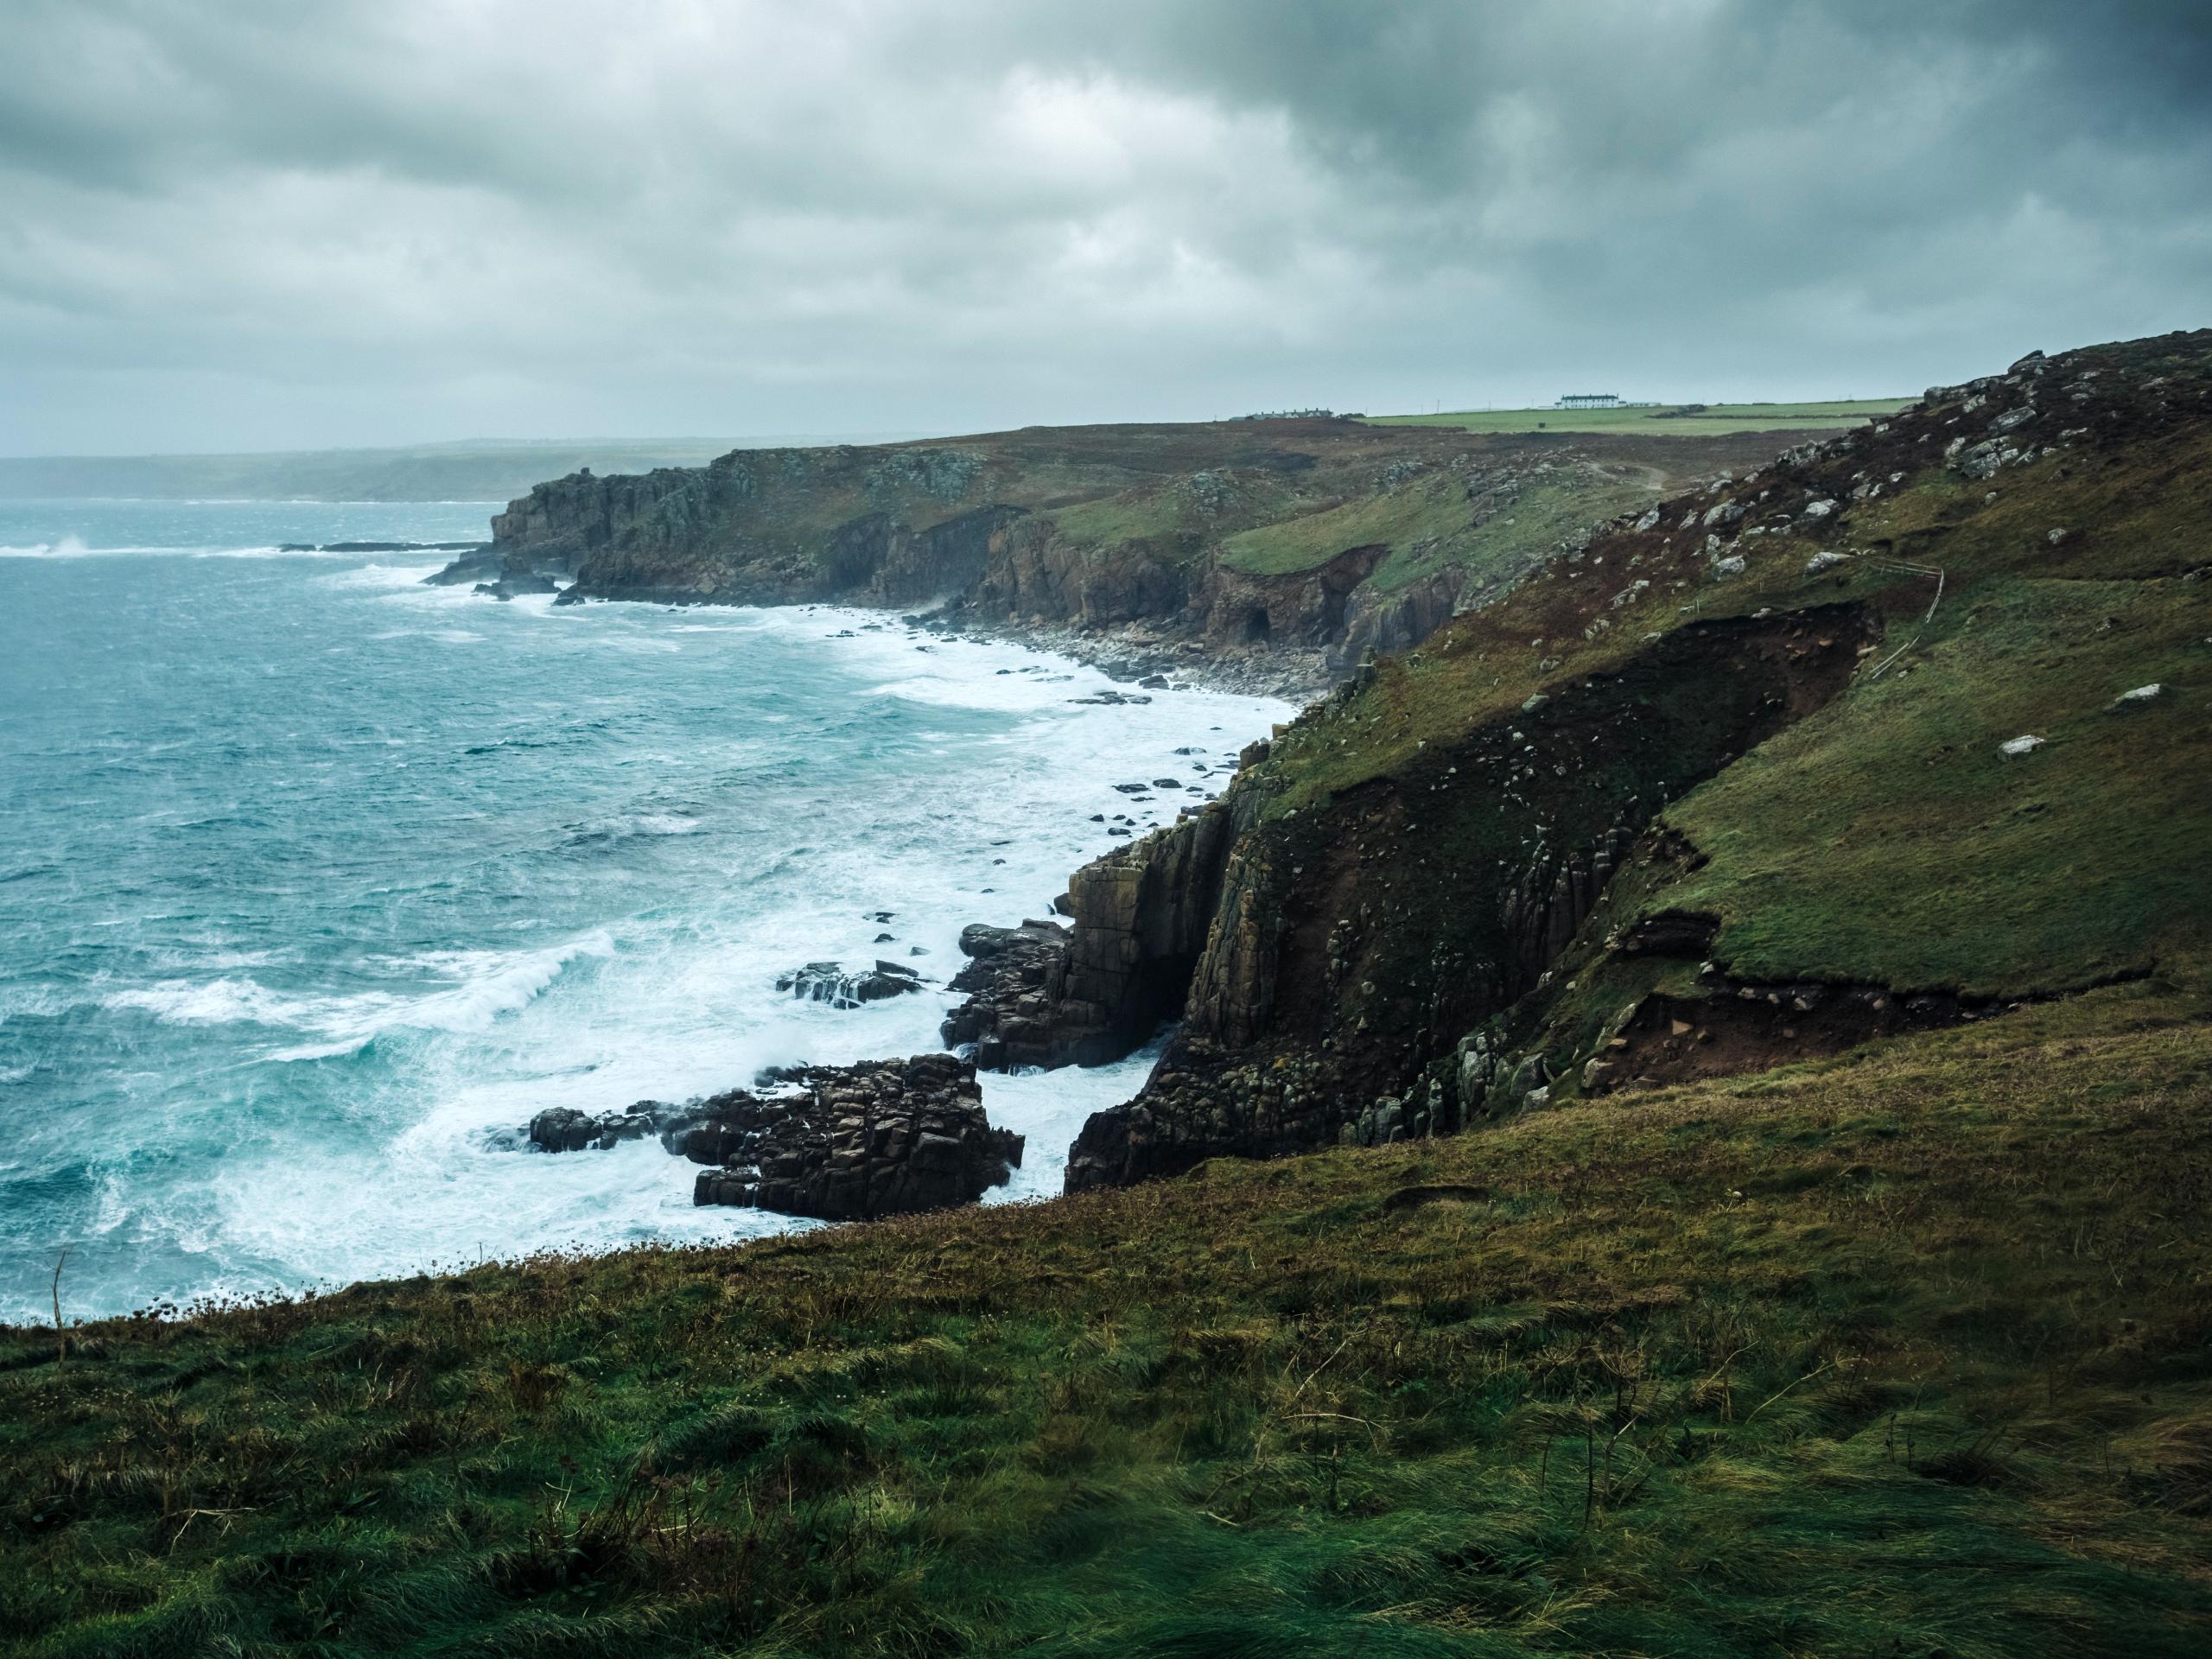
(837, 1143)
(1041, 996)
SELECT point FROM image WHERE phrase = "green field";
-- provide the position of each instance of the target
(1716, 419)
(1896, 1353)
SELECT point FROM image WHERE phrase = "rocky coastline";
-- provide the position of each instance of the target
(1268, 558)
(831, 1143)
(1448, 892)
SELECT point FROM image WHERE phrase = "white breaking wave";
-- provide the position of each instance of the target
(493, 983)
(400, 576)
(737, 793)
(74, 547)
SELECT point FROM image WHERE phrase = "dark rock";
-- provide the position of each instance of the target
(828, 982)
(1092, 994)
(850, 1143)
(1011, 980)
(508, 587)
(563, 1129)
(479, 565)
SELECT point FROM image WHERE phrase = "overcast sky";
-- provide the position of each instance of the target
(249, 225)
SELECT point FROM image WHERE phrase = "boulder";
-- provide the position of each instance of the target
(828, 982)
(849, 1143)
(563, 1129)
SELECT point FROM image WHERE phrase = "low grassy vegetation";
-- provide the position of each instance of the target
(1427, 508)
(1428, 526)
(1679, 420)
(1901, 1353)
(1888, 839)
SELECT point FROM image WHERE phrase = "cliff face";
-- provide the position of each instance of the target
(1304, 542)
(1352, 944)
(1762, 774)
(1141, 916)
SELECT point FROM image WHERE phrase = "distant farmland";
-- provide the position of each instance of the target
(1714, 420)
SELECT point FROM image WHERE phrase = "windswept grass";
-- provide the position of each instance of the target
(1903, 1352)
(1887, 839)
(1712, 421)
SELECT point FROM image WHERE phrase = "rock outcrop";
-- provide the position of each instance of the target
(850, 1143)
(1350, 946)
(563, 1129)
(837, 1143)
(829, 982)
(1140, 916)
(1011, 980)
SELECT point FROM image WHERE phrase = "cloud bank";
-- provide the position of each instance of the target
(263, 225)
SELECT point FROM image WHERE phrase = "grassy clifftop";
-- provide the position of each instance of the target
(1249, 535)
(1684, 420)
(1897, 1353)
(2061, 597)
(1818, 1266)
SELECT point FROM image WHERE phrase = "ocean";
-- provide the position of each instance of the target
(314, 880)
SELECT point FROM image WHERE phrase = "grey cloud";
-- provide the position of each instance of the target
(386, 219)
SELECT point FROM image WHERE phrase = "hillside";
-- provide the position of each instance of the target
(1291, 547)
(1726, 787)
(1689, 1131)
(1897, 1353)
(1683, 420)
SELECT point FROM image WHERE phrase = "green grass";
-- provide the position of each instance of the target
(1427, 507)
(1717, 420)
(1508, 544)
(1887, 840)
(1894, 1353)
(1428, 527)
(1117, 519)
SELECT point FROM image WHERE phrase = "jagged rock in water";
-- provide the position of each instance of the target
(476, 566)
(563, 1129)
(850, 1143)
(507, 587)
(828, 982)
(1011, 980)
(1093, 993)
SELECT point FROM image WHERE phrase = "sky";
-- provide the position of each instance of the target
(254, 224)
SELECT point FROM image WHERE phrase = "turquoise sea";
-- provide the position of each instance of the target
(314, 880)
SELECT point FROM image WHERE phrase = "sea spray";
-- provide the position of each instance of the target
(314, 880)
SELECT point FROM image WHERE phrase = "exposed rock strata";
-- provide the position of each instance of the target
(1350, 947)
(837, 1143)
(1093, 530)
(850, 1143)
(1140, 916)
